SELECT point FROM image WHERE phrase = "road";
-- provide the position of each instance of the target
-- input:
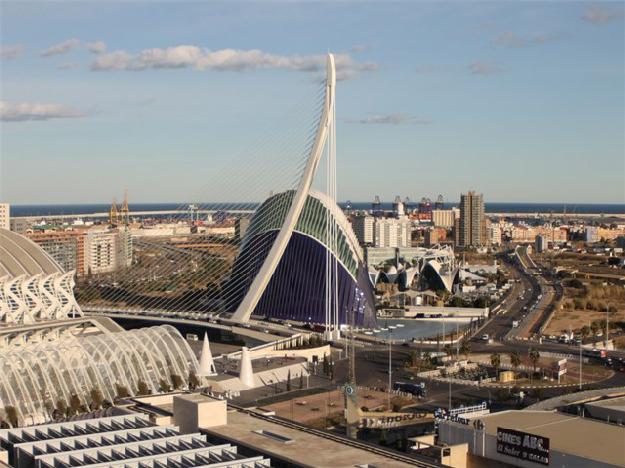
(372, 370)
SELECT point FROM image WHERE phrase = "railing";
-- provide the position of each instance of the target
(468, 409)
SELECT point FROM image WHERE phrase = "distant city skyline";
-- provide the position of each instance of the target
(523, 102)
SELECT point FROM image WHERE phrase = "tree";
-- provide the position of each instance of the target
(288, 381)
(515, 360)
(122, 391)
(534, 356)
(164, 386)
(11, 415)
(176, 381)
(594, 328)
(585, 331)
(96, 399)
(465, 348)
(194, 381)
(74, 405)
(61, 409)
(495, 361)
(142, 388)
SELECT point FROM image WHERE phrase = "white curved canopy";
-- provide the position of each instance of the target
(39, 378)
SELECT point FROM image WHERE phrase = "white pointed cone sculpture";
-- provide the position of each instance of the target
(207, 366)
(246, 374)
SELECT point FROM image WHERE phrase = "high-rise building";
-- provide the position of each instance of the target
(61, 246)
(390, 232)
(472, 224)
(363, 228)
(443, 218)
(5, 216)
(106, 251)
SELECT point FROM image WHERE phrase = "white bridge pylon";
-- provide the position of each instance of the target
(261, 280)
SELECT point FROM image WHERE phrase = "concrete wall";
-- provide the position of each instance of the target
(192, 412)
(305, 353)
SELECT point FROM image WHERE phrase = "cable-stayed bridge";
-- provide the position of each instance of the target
(295, 255)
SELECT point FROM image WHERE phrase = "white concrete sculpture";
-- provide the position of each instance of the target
(207, 365)
(246, 374)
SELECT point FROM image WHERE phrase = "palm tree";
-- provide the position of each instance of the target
(585, 331)
(594, 328)
(495, 361)
(515, 360)
(534, 356)
(465, 348)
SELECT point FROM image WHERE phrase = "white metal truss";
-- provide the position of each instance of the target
(37, 378)
(27, 299)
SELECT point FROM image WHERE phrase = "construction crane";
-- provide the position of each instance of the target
(113, 213)
(125, 210)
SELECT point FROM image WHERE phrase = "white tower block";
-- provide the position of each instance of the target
(246, 374)
(207, 365)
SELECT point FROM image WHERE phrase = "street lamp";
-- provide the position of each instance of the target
(390, 360)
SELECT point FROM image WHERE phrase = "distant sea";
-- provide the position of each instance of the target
(569, 208)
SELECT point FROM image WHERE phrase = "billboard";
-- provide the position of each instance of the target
(523, 446)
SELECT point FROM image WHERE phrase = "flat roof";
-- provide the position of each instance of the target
(583, 437)
(612, 403)
(298, 446)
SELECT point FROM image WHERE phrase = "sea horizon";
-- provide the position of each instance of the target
(53, 209)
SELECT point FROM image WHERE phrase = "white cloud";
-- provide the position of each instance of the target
(68, 66)
(485, 68)
(23, 111)
(61, 48)
(97, 47)
(390, 119)
(11, 51)
(190, 56)
(511, 39)
(599, 15)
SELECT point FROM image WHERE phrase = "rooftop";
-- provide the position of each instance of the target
(569, 434)
(300, 447)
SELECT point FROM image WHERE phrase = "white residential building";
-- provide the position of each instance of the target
(363, 228)
(392, 232)
(106, 251)
(445, 218)
(494, 234)
(5, 215)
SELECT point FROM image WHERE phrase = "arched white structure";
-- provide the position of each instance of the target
(249, 302)
(37, 379)
(29, 298)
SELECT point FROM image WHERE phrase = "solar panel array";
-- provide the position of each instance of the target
(119, 441)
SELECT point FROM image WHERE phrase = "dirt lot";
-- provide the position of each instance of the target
(311, 408)
(590, 373)
(563, 319)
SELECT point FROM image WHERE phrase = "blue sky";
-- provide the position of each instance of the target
(523, 101)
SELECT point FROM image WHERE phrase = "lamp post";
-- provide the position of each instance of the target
(390, 361)
(580, 364)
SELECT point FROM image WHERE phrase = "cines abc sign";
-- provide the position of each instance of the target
(523, 446)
